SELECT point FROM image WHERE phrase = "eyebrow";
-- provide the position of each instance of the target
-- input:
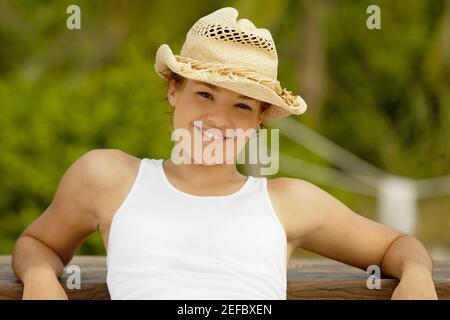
(215, 88)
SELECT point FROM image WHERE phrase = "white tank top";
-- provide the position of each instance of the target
(168, 244)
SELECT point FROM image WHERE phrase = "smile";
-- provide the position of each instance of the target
(209, 135)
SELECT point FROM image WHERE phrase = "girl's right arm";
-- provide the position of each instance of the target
(49, 243)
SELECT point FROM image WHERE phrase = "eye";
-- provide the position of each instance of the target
(243, 106)
(205, 95)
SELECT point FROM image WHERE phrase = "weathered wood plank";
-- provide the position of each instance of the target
(307, 279)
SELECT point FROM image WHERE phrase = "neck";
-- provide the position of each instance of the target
(203, 175)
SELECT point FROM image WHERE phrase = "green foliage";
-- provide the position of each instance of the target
(388, 98)
(63, 93)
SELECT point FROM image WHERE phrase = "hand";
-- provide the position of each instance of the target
(42, 284)
(416, 283)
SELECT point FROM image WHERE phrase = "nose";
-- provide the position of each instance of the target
(219, 116)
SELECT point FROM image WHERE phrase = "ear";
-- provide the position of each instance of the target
(261, 117)
(260, 120)
(172, 93)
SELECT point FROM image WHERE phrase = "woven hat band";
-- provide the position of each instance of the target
(221, 52)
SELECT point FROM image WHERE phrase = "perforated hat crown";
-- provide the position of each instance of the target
(233, 54)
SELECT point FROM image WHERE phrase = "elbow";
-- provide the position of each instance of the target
(30, 252)
(405, 251)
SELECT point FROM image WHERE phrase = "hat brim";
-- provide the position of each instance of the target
(166, 63)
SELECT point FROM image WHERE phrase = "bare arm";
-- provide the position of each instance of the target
(403, 253)
(38, 267)
(408, 260)
(49, 243)
(327, 227)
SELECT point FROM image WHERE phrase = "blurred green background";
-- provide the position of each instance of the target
(382, 94)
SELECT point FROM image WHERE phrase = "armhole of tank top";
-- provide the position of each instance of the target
(117, 213)
(270, 207)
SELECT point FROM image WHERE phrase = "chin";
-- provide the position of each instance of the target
(206, 163)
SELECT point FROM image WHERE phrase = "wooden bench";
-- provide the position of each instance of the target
(307, 279)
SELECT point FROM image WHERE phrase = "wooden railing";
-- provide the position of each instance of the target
(307, 279)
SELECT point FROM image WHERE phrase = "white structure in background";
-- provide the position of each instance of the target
(396, 196)
(397, 203)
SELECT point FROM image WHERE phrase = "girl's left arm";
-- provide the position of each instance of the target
(408, 260)
(326, 226)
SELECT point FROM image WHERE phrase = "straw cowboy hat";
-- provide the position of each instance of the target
(235, 55)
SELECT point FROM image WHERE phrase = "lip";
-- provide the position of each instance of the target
(210, 135)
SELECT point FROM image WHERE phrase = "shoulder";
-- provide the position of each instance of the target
(301, 204)
(106, 163)
(291, 190)
(100, 172)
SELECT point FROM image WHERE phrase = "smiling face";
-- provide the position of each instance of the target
(217, 108)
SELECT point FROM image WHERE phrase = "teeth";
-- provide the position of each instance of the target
(209, 135)
(212, 136)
